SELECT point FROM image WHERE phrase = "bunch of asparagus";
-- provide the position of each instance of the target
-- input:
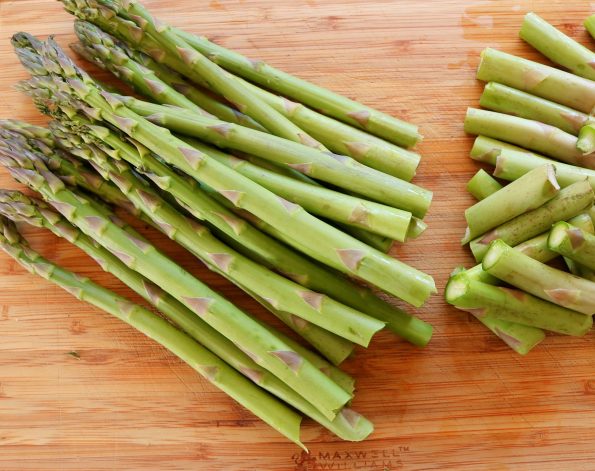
(547, 211)
(285, 202)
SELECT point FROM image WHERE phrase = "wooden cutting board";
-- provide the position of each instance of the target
(82, 391)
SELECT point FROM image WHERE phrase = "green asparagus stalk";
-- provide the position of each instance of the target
(108, 55)
(569, 202)
(373, 240)
(513, 163)
(543, 281)
(331, 246)
(574, 243)
(415, 330)
(343, 139)
(69, 170)
(337, 106)
(267, 350)
(536, 248)
(530, 191)
(586, 139)
(498, 97)
(197, 67)
(107, 52)
(338, 137)
(248, 240)
(529, 134)
(341, 171)
(348, 425)
(482, 185)
(330, 345)
(416, 228)
(520, 338)
(515, 306)
(332, 104)
(546, 82)
(590, 25)
(558, 47)
(318, 200)
(285, 295)
(219, 373)
(28, 131)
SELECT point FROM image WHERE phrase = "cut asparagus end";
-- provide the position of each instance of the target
(416, 228)
(586, 139)
(496, 249)
(456, 287)
(482, 185)
(558, 235)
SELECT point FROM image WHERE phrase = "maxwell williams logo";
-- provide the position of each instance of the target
(363, 460)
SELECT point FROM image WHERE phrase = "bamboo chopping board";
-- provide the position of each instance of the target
(82, 391)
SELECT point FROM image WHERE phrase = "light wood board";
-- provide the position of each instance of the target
(464, 403)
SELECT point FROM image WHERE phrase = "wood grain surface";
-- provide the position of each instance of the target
(466, 402)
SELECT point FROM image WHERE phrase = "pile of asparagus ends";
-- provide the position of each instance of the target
(537, 131)
(286, 189)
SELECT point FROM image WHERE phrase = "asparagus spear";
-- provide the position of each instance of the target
(17, 206)
(321, 201)
(267, 350)
(341, 171)
(530, 191)
(546, 82)
(348, 425)
(338, 137)
(373, 240)
(558, 47)
(331, 246)
(574, 243)
(580, 270)
(498, 97)
(219, 373)
(197, 67)
(569, 202)
(415, 330)
(285, 295)
(520, 338)
(108, 53)
(70, 170)
(541, 280)
(513, 305)
(248, 240)
(536, 248)
(529, 134)
(482, 185)
(513, 163)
